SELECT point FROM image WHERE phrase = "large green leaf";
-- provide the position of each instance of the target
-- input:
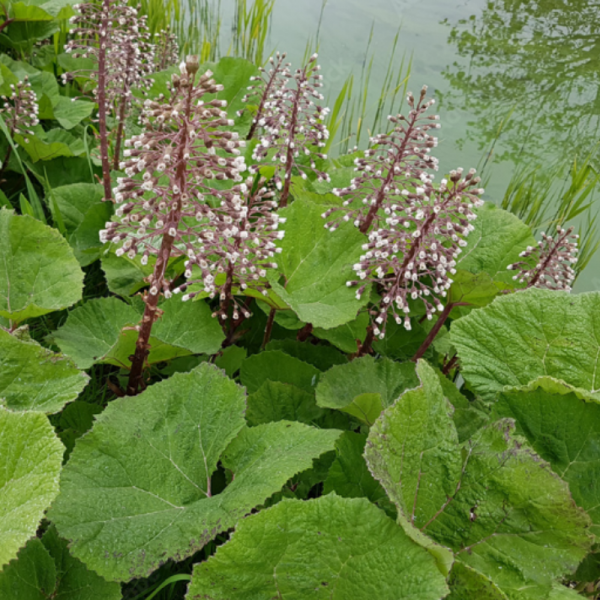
(38, 272)
(102, 330)
(316, 265)
(531, 334)
(275, 365)
(137, 488)
(35, 379)
(69, 112)
(334, 548)
(564, 430)
(30, 462)
(80, 207)
(364, 387)
(492, 500)
(44, 570)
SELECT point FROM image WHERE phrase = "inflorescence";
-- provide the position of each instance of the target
(549, 264)
(393, 171)
(412, 255)
(291, 122)
(21, 109)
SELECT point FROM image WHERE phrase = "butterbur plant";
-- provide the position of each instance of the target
(224, 412)
(549, 264)
(20, 113)
(169, 169)
(233, 246)
(291, 123)
(112, 33)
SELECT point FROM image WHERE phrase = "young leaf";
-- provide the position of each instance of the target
(349, 475)
(564, 430)
(275, 365)
(332, 547)
(33, 378)
(95, 332)
(364, 387)
(38, 273)
(530, 334)
(30, 462)
(316, 266)
(492, 500)
(137, 489)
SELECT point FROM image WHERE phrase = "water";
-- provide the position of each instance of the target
(538, 62)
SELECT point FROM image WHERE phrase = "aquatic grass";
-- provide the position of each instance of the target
(250, 29)
(354, 105)
(546, 201)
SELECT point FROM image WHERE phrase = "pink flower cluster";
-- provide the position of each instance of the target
(20, 109)
(549, 264)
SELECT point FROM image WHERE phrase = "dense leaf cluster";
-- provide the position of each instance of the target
(276, 434)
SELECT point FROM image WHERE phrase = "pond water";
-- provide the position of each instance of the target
(519, 76)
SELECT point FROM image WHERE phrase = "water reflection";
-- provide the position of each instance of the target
(538, 62)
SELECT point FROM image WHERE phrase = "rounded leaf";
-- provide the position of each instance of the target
(38, 271)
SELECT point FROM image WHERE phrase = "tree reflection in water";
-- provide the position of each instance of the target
(538, 62)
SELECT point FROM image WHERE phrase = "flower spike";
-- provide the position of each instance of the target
(413, 258)
(549, 264)
(292, 124)
(393, 172)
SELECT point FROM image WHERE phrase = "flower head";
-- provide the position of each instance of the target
(293, 132)
(411, 256)
(393, 172)
(550, 263)
(236, 245)
(172, 170)
(20, 109)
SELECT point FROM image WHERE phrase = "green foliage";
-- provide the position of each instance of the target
(327, 548)
(44, 569)
(364, 387)
(283, 450)
(30, 461)
(38, 273)
(316, 267)
(156, 454)
(103, 330)
(531, 334)
(491, 500)
(33, 378)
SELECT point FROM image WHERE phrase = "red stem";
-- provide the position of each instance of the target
(366, 224)
(269, 328)
(436, 328)
(142, 347)
(290, 151)
(102, 101)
